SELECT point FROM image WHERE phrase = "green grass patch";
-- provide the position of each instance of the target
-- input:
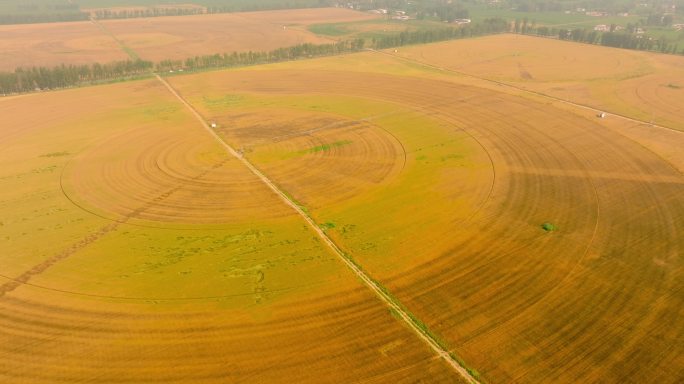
(327, 225)
(333, 29)
(223, 101)
(292, 199)
(549, 227)
(326, 147)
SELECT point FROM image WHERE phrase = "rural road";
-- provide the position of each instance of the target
(391, 302)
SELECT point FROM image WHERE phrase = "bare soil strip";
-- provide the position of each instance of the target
(367, 280)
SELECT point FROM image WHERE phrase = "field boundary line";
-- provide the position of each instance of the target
(127, 50)
(397, 308)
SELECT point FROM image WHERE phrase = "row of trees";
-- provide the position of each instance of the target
(147, 12)
(225, 6)
(30, 13)
(238, 59)
(41, 78)
(612, 38)
(64, 76)
(486, 27)
(42, 17)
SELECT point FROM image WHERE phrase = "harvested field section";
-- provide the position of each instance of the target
(180, 37)
(641, 85)
(161, 38)
(127, 291)
(48, 45)
(516, 302)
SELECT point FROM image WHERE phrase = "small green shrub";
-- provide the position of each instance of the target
(548, 227)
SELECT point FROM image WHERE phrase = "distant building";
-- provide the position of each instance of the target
(602, 28)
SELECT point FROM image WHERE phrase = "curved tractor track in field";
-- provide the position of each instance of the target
(492, 276)
(415, 324)
(597, 300)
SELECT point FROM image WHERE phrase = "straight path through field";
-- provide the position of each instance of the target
(416, 325)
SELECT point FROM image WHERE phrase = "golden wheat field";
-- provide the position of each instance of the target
(641, 85)
(136, 247)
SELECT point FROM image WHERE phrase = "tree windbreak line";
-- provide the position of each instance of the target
(106, 14)
(39, 11)
(37, 18)
(613, 37)
(49, 11)
(64, 76)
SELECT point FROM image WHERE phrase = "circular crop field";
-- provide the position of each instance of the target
(534, 242)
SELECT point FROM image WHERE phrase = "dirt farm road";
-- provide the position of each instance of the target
(367, 280)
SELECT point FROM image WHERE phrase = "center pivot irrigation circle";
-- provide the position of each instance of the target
(150, 177)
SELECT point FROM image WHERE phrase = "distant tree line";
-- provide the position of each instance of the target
(239, 59)
(486, 27)
(19, 12)
(612, 38)
(42, 17)
(105, 14)
(64, 76)
(25, 12)
(227, 6)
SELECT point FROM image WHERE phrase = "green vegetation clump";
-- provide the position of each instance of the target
(549, 227)
(328, 225)
(327, 147)
(328, 29)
